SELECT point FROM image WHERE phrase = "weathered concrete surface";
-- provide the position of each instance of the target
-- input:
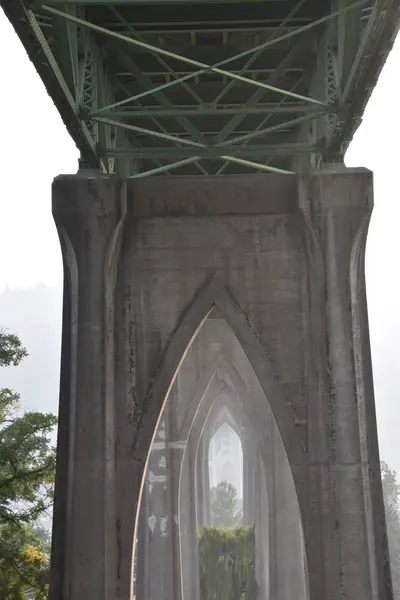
(282, 259)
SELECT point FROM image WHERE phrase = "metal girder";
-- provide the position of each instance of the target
(150, 132)
(203, 66)
(348, 82)
(258, 94)
(186, 161)
(253, 58)
(264, 13)
(191, 112)
(166, 168)
(256, 165)
(87, 82)
(187, 125)
(35, 27)
(167, 152)
(258, 128)
(348, 28)
(259, 64)
(344, 45)
(160, 60)
(65, 48)
(263, 131)
(160, 97)
(154, 80)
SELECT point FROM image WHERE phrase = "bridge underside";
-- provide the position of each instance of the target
(201, 87)
(171, 280)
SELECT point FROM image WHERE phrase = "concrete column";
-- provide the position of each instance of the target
(202, 487)
(142, 559)
(160, 571)
(176, 453)
(188, 526)
(89, 212)
(250, 471)
(290, 579)
(261, 515)
(337, 206)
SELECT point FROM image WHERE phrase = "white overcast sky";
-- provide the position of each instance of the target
(35, 147)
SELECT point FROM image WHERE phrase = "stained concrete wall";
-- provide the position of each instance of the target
(282, 259)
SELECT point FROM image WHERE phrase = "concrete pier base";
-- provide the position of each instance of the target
(282, 260)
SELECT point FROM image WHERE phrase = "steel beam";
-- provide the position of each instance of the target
(35, 27)
(161, 98)
(172, 152)
(203, 66)
(161, 61)
(151, 132)
(258, 94)
(263, 122)
(360, 50)
(165, 168)
(259, 63)
(262, 14)
(253, 134)
(253, 58)
(213, 112)
(65, 48)
(256, 165)
(163, 130)
(349, 26)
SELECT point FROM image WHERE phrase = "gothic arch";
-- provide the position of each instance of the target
(219, 365)
(221, 413)
(207, 398)
(213, 294)
(213, 396)
(223, 371)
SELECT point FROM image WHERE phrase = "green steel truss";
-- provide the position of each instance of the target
(147, 87)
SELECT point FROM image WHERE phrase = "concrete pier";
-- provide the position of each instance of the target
(148, 265)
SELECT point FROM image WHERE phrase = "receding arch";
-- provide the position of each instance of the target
(231, 374)
(217, 394)
(224, 413)
(224, 458)
(213, 294)
(223, 372)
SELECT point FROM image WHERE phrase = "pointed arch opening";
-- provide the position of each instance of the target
(225, 468)
(215, 395)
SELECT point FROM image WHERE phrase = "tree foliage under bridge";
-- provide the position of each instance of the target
(27, 465)
(227, 563)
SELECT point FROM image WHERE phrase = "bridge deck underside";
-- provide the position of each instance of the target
(211, 88)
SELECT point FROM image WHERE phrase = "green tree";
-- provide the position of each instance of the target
(224, 505)
(27, 466)
(227, 563)
(41, 538)
(391, 498)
